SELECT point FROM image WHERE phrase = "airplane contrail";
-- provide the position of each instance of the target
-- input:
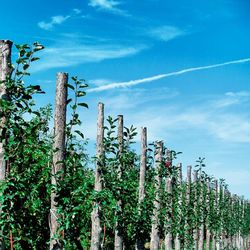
(157, 77)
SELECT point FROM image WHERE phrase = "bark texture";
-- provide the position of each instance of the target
(208, 233)
(188, 193)
(168, 234)
(143, 163)
(155, 237)
(5, 72)
(214, 236)
(195, 231)
(95, 215)
(118, 237)
(59, 153)
(179, 201)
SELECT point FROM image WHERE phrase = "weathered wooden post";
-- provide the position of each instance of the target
(118, 237)
(95, 215)
(58, 164)
(168, 229)
(168, 233)
(208, 232)
(188, 194)
(201, 214)
(155, 237)
(5, 72)
(195, 230)
(214, 237)
(177, 241)
(143, 163)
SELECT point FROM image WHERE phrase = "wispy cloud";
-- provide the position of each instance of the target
(99, 82)
(105, 4)
(166, 33)
(160, 76)
(57, 20)
(66, 55)
(232, 98)
(166, 118)
(108, 5)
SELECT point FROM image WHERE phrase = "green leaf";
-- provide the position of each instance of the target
(34, 59)
(83, 104)
(70, 86)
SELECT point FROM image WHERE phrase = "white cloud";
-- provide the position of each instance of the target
(57, 20)
(108, 5)
(77, 11)
(238, 94)
(166, 33)
(105, 4)
(165, 119)
(232, 98)
(99, 82)
(158, 77)
(65, 55)
(54, 21)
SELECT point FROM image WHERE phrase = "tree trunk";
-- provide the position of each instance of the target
(58, 155)
(95, 215)
(143, 163)
(118, 236)
(5, 72)
(155, 237)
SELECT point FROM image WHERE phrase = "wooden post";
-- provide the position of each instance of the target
(155, 237)
(214, 238)
(168, 187)
(95, 215)
(5, 72)
(195, 230)
(168, 233)
(179, 205)
(188, 194)
(208, 233)
(59, 153)
(201, 226)
(118, 237)
(143, 164)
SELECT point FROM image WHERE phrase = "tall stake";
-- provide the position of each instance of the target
(208, 232)
(195, 230)
(58, 155)
(5, 72)
(143, 163)
(177, 242)
(187, 217)
(155, 237)
(118, 237)
(168, 229)
(95, 215)
(201, 215)
(214, 237)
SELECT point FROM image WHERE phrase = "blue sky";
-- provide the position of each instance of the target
(201, 112)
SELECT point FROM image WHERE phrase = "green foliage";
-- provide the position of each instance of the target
(25, 193)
